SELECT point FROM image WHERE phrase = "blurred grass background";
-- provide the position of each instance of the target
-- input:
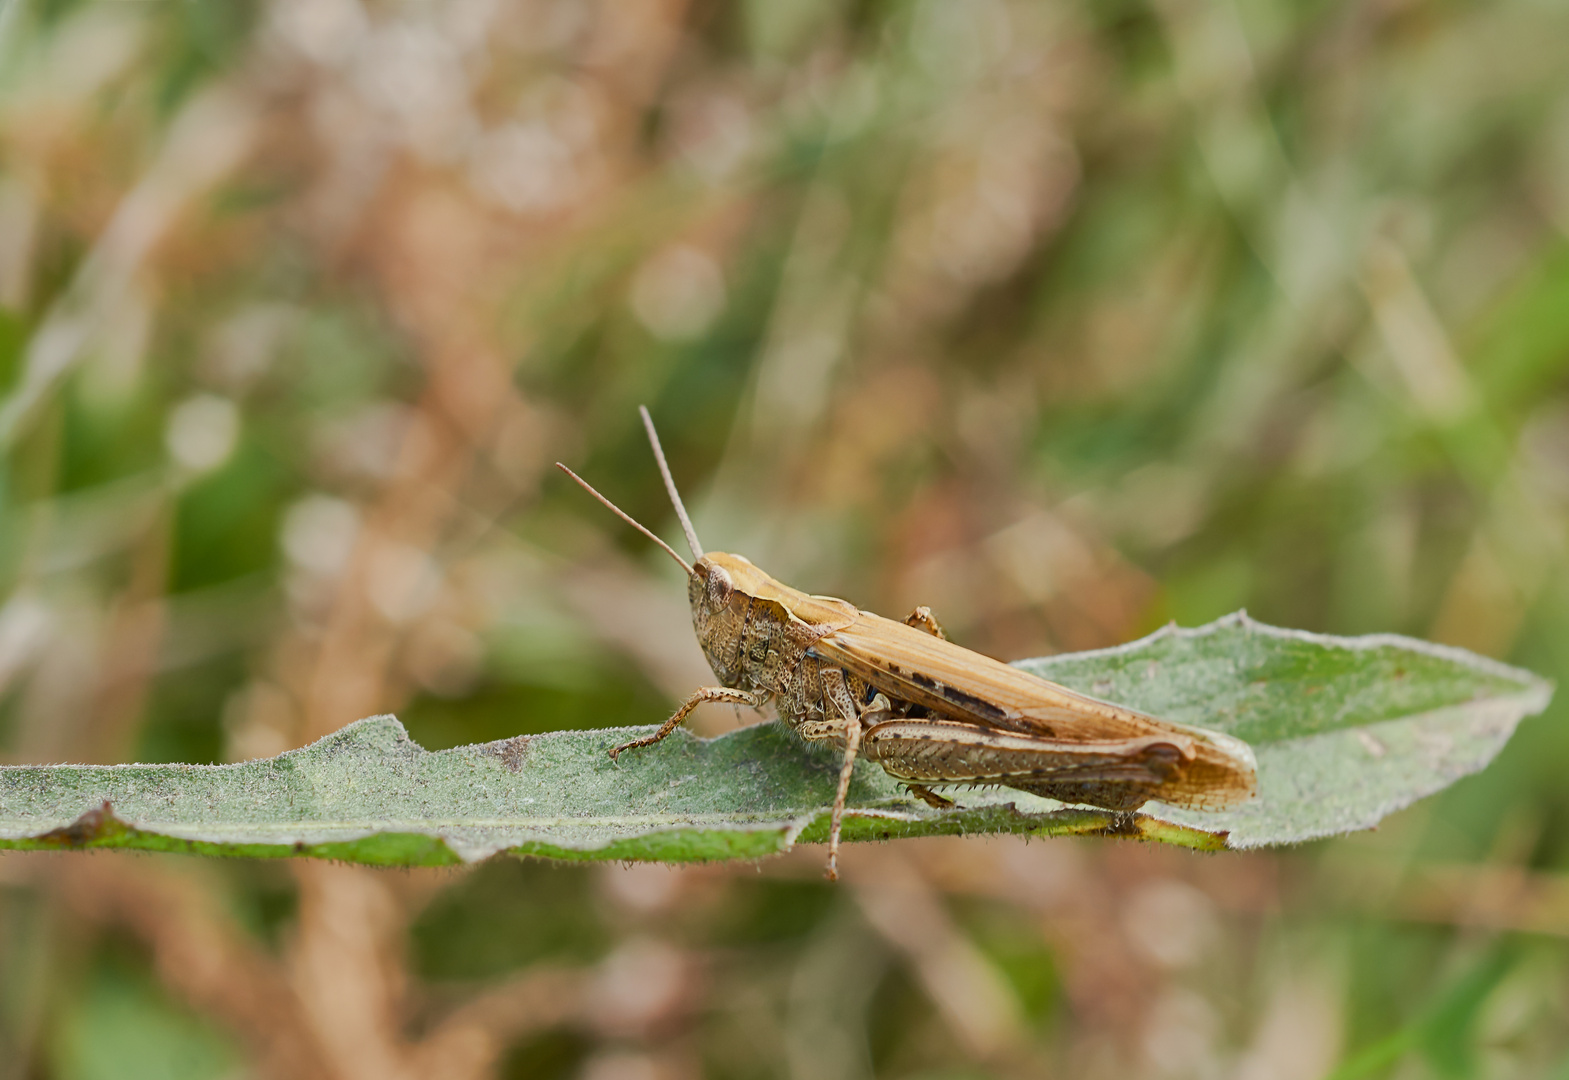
(1065, 318)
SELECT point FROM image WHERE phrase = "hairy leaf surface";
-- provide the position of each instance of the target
(1346, 731)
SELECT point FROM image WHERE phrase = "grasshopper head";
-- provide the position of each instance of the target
(718, 578)
(710, 588)
(722, 591)
(723, 582)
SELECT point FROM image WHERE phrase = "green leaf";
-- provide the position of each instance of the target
(1346, 730)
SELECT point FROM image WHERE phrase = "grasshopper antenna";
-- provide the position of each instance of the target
(670, 484)
(628, 518)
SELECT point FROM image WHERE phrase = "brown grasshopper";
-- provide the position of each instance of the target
(926, 710)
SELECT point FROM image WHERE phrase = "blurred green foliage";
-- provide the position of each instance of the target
(120, 1025)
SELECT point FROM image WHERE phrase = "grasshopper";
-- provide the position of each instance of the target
(930, 712)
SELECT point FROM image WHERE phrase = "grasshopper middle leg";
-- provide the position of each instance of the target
(923, 619)
(853, 721)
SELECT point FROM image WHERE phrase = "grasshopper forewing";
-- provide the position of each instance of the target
(930, 712)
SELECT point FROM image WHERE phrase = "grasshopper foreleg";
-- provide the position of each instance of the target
(699, 697)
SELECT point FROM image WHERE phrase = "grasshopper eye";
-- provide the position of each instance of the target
(719, 587)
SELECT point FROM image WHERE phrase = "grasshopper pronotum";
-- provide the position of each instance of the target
(928, 711)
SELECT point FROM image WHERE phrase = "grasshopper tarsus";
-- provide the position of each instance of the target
(635, 744)
(1124, 823)
(615, 751)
